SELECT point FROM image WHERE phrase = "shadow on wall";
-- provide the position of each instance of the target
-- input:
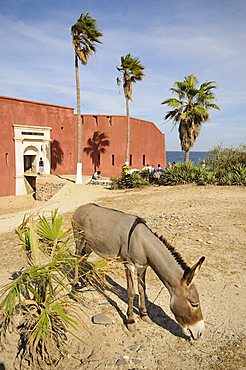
(56, 154)
(96, 146)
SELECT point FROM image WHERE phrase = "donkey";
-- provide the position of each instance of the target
(112, 233)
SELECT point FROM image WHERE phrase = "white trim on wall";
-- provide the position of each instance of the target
(34, 140)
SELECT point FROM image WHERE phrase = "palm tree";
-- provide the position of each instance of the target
(85, 35)
(190, 109)
(132, 71)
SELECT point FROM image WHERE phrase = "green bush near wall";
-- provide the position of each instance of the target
(223, 166)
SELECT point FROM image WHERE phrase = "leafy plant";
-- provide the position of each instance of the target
(190, 109)
(129, 181)
(86, 36)
(40, 294)
(226, 158)
(131, 70)
(185, 173)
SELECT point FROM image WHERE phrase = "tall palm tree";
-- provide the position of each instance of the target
(190, 109)
(85, 35)
(131, 71)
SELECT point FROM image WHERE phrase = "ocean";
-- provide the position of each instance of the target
(195, 157)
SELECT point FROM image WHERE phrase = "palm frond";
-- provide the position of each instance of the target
(85, 35)
(40, 293)
(190, 108)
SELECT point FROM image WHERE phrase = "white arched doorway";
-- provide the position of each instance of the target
(31, 144)
(30, 160)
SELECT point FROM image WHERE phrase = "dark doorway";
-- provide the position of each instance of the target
(30, 184)
(29, 163)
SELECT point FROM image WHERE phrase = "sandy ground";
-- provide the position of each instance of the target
(198, 221)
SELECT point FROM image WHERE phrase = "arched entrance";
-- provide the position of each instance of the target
(30, 159)
(31, 144)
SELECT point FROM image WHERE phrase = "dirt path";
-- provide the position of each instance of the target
(198, 221)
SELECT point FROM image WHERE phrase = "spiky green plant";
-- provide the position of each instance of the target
(129, 181)
(226, 158)
(39, 295)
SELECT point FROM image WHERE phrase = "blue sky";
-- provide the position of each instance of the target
(172, 39)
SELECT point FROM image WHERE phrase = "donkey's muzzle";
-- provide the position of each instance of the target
(194, 331)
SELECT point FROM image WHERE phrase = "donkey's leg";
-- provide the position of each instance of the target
(131, 294)
(142, 295)
(81, 248)
(77, 234)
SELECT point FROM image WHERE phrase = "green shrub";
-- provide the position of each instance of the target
(226, 158)
(236, 175)
(223, 167)
(181, 173)
(129, 181)
(38, 299)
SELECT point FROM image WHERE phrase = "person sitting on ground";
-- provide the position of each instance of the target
(157, 173)
(96, 175)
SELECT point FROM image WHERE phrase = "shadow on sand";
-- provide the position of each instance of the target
(156, 314)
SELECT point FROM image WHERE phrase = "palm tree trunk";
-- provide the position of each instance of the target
(128, 132)
(187, 156)
(79, 162)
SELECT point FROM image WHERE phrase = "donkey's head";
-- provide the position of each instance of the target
(185, 303)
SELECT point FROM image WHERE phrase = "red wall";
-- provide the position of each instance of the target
(100, 134)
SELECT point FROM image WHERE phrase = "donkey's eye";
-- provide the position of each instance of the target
(195, 305)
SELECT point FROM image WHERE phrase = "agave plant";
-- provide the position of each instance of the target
(133, 180)
(226, 158)
(40, 294)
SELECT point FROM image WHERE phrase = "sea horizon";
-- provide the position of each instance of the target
(178, 156)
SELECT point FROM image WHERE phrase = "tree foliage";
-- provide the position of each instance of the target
(224, 167)
(190, 108)
(85, 36)
(226, 158)
(131, 70)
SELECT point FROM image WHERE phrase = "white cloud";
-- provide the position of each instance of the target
(171, 40)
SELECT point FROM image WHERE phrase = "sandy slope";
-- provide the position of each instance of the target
(198, 221)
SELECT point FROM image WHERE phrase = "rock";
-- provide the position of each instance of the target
(122, 361)
(101, 319)
(136, 361)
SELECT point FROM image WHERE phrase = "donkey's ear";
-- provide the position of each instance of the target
(190, 274)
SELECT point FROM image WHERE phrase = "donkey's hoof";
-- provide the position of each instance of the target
(131, 326)
(146, 318)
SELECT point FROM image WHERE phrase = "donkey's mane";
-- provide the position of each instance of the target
(173, 252)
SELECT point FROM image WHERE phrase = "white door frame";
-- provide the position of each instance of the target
(36, 138)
